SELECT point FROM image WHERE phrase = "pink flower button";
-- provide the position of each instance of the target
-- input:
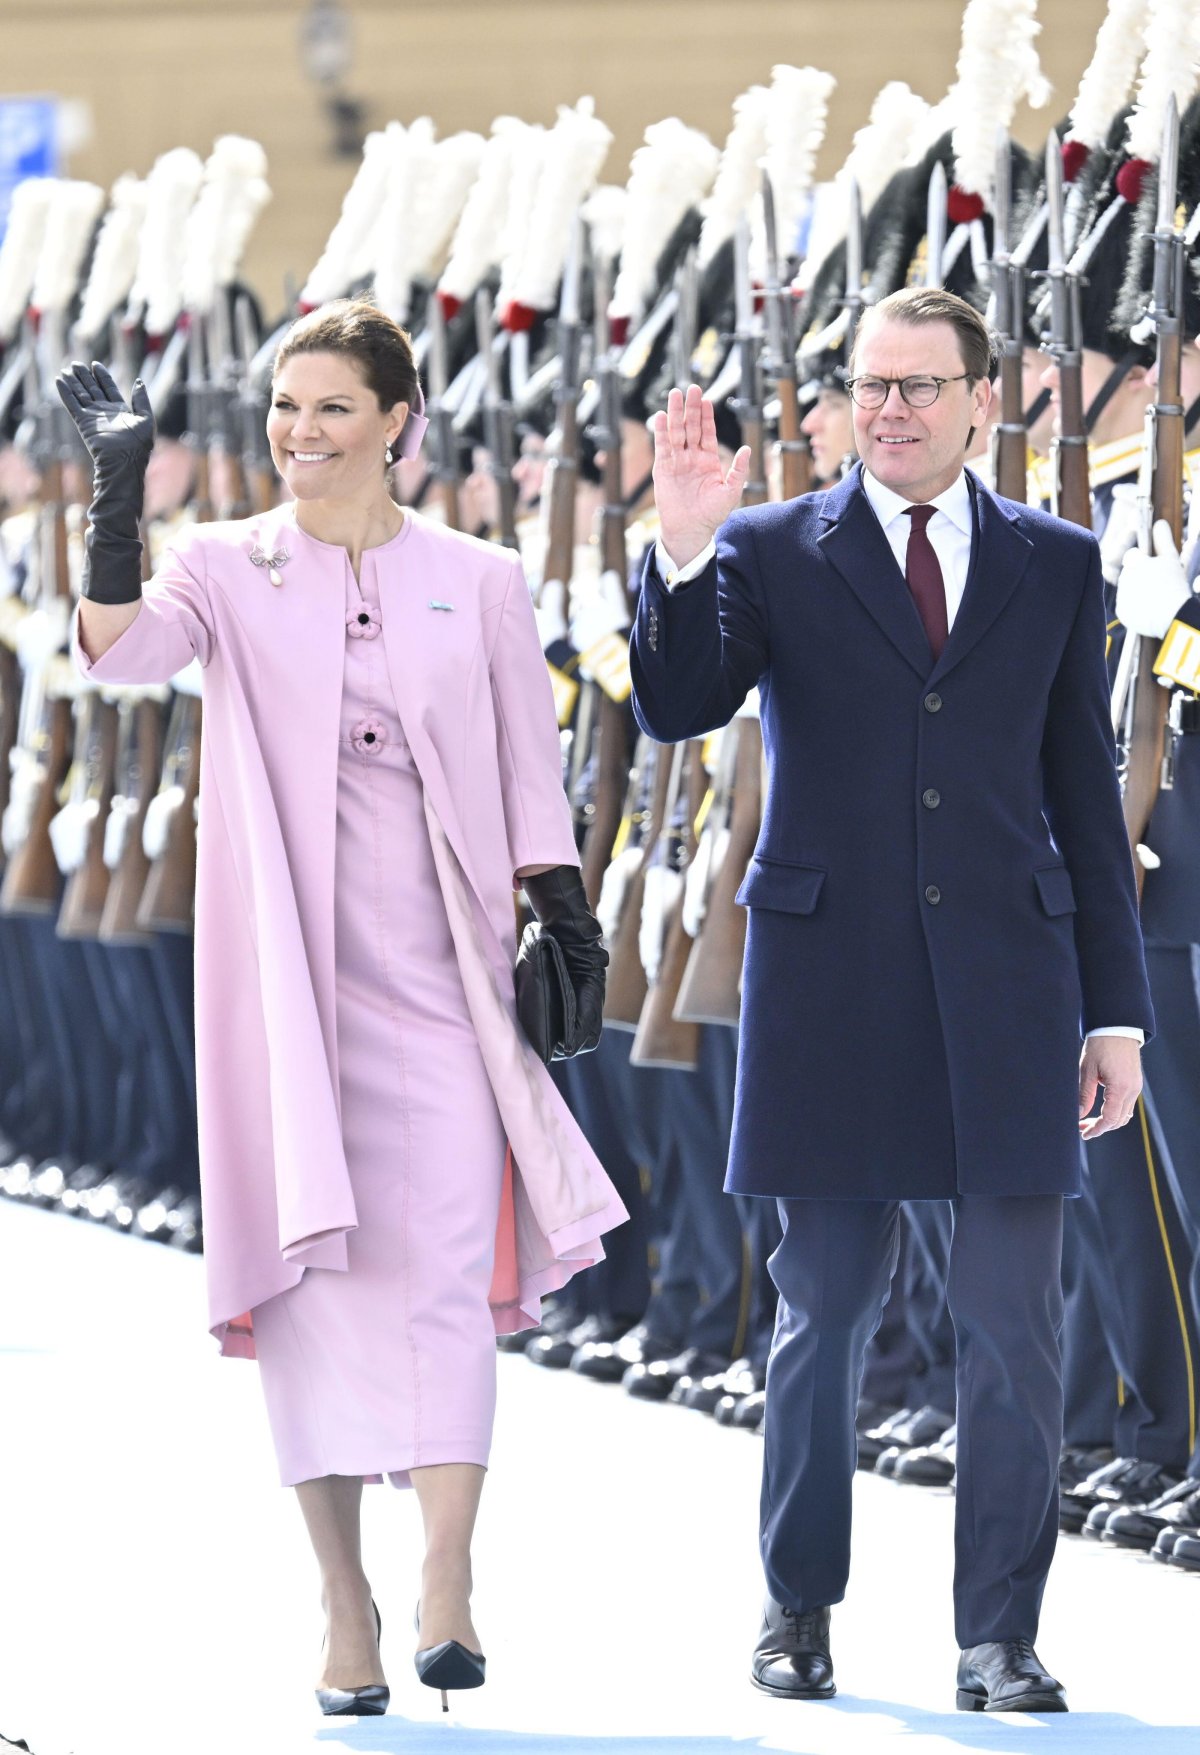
(368, 737)
(363, 623)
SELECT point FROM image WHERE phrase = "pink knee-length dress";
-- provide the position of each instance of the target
(392, 1365)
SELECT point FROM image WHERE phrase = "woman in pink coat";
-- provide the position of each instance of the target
(389, 1175)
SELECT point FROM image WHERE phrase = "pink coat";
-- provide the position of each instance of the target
(472, 690)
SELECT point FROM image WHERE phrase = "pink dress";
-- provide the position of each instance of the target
(392, 1365)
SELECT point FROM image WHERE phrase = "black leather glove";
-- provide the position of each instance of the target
(558, 900)
(119, 439)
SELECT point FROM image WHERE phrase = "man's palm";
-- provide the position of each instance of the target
(692, 491)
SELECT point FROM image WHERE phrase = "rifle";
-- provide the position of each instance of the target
(853, 302)
(32, 881)
(1140, 717)
(444, 468)
(198, 421)
(779, 363)
(224, 396)
(562, 449)
(258, 471)
(710, 992)
(1070, 491)
(83, 818)
(497, 421)
(611, 742)
(660, 1039)
(748, 403)
(168, 900)
(649, 779)
(137, 765)
(1009, 446)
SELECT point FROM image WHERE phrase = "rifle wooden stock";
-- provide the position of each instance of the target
(710, 992)
(169, 898)
(138, 764)
(612, 773)
(625, 990)
(661, 1039)
(32, 881)
(1071, 494)
(200, 506)
(447, 491)
(755, 491)
(94, 760)
(561, 472)
(1009, 442)
(795, 458)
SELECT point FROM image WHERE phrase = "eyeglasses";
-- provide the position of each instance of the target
(919, 392)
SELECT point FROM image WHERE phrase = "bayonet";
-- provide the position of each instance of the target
(853, 300)
(497, 418)
(935, 225)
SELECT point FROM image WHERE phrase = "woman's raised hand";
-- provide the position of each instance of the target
(115, 433)
(692, 491)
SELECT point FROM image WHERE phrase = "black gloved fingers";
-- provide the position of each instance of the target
(108, 385)
(139, 400)
(87, 381)
(67, 388)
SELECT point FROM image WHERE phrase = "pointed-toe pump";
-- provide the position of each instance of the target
(449, 1665)
(369, 1702)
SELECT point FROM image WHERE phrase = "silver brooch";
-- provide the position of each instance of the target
(271, 562)
(435, 604)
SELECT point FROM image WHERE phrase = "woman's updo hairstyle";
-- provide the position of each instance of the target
(362, 332)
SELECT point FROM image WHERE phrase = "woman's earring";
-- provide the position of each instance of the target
(387, 454)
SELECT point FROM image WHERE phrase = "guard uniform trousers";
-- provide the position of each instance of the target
(833, 1269)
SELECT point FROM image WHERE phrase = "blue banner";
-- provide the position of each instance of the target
(28, 144)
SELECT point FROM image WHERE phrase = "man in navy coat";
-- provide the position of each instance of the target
(941, 906)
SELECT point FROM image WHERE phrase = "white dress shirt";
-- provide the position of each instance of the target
(950, 530)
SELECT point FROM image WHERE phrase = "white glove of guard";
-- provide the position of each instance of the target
(550, 612)
(1152, 588)
(598, 609)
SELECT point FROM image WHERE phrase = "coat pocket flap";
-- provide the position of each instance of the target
(790, 889)
(1056, 889)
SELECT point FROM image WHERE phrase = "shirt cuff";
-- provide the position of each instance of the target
(1138, 1036)
(671, 575)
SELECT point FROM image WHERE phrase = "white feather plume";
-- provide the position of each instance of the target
(672, 171)
(74, 210)
(604, 213)
(392, 232)
(476, 246)
(27, 214)
(428, 182)
(880, 147)
(347, 253)
(232, 194)
(171, 189)
(1108, 79)
(797, 112)
(1169, 69)
(456, 166)
(115, 259)
(529, 149)
(739, 178)
(576, 147)
(997, 67)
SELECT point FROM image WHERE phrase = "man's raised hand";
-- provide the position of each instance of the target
(692, 491)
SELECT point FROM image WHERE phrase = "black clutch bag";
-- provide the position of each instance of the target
(545, 996)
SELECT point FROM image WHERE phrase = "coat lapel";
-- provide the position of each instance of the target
(999, 557)
(855, 545)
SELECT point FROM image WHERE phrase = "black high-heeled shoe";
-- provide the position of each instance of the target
(369, 1702)
(449, 1665)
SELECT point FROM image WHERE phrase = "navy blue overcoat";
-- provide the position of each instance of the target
(942, 897)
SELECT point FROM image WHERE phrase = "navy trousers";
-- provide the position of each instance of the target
(833, 1269)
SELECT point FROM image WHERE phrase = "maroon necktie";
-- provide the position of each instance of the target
(924, 577)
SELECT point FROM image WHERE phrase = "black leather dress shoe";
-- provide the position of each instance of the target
(1138, 1526)
(928, 1465)
(556, 1319)
(654, 1381)
(750, 1412)
(1076, 1464)
(557, 1350)
(1006, 1675)
(922, 1427)
(741, 1378)
(792, 1657)
(874, 1440)
(1186, 1552)
(1125, 1481)
(608, 1361)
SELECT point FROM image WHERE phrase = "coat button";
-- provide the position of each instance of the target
(933, 703)
(931, 798)
(932, 895)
